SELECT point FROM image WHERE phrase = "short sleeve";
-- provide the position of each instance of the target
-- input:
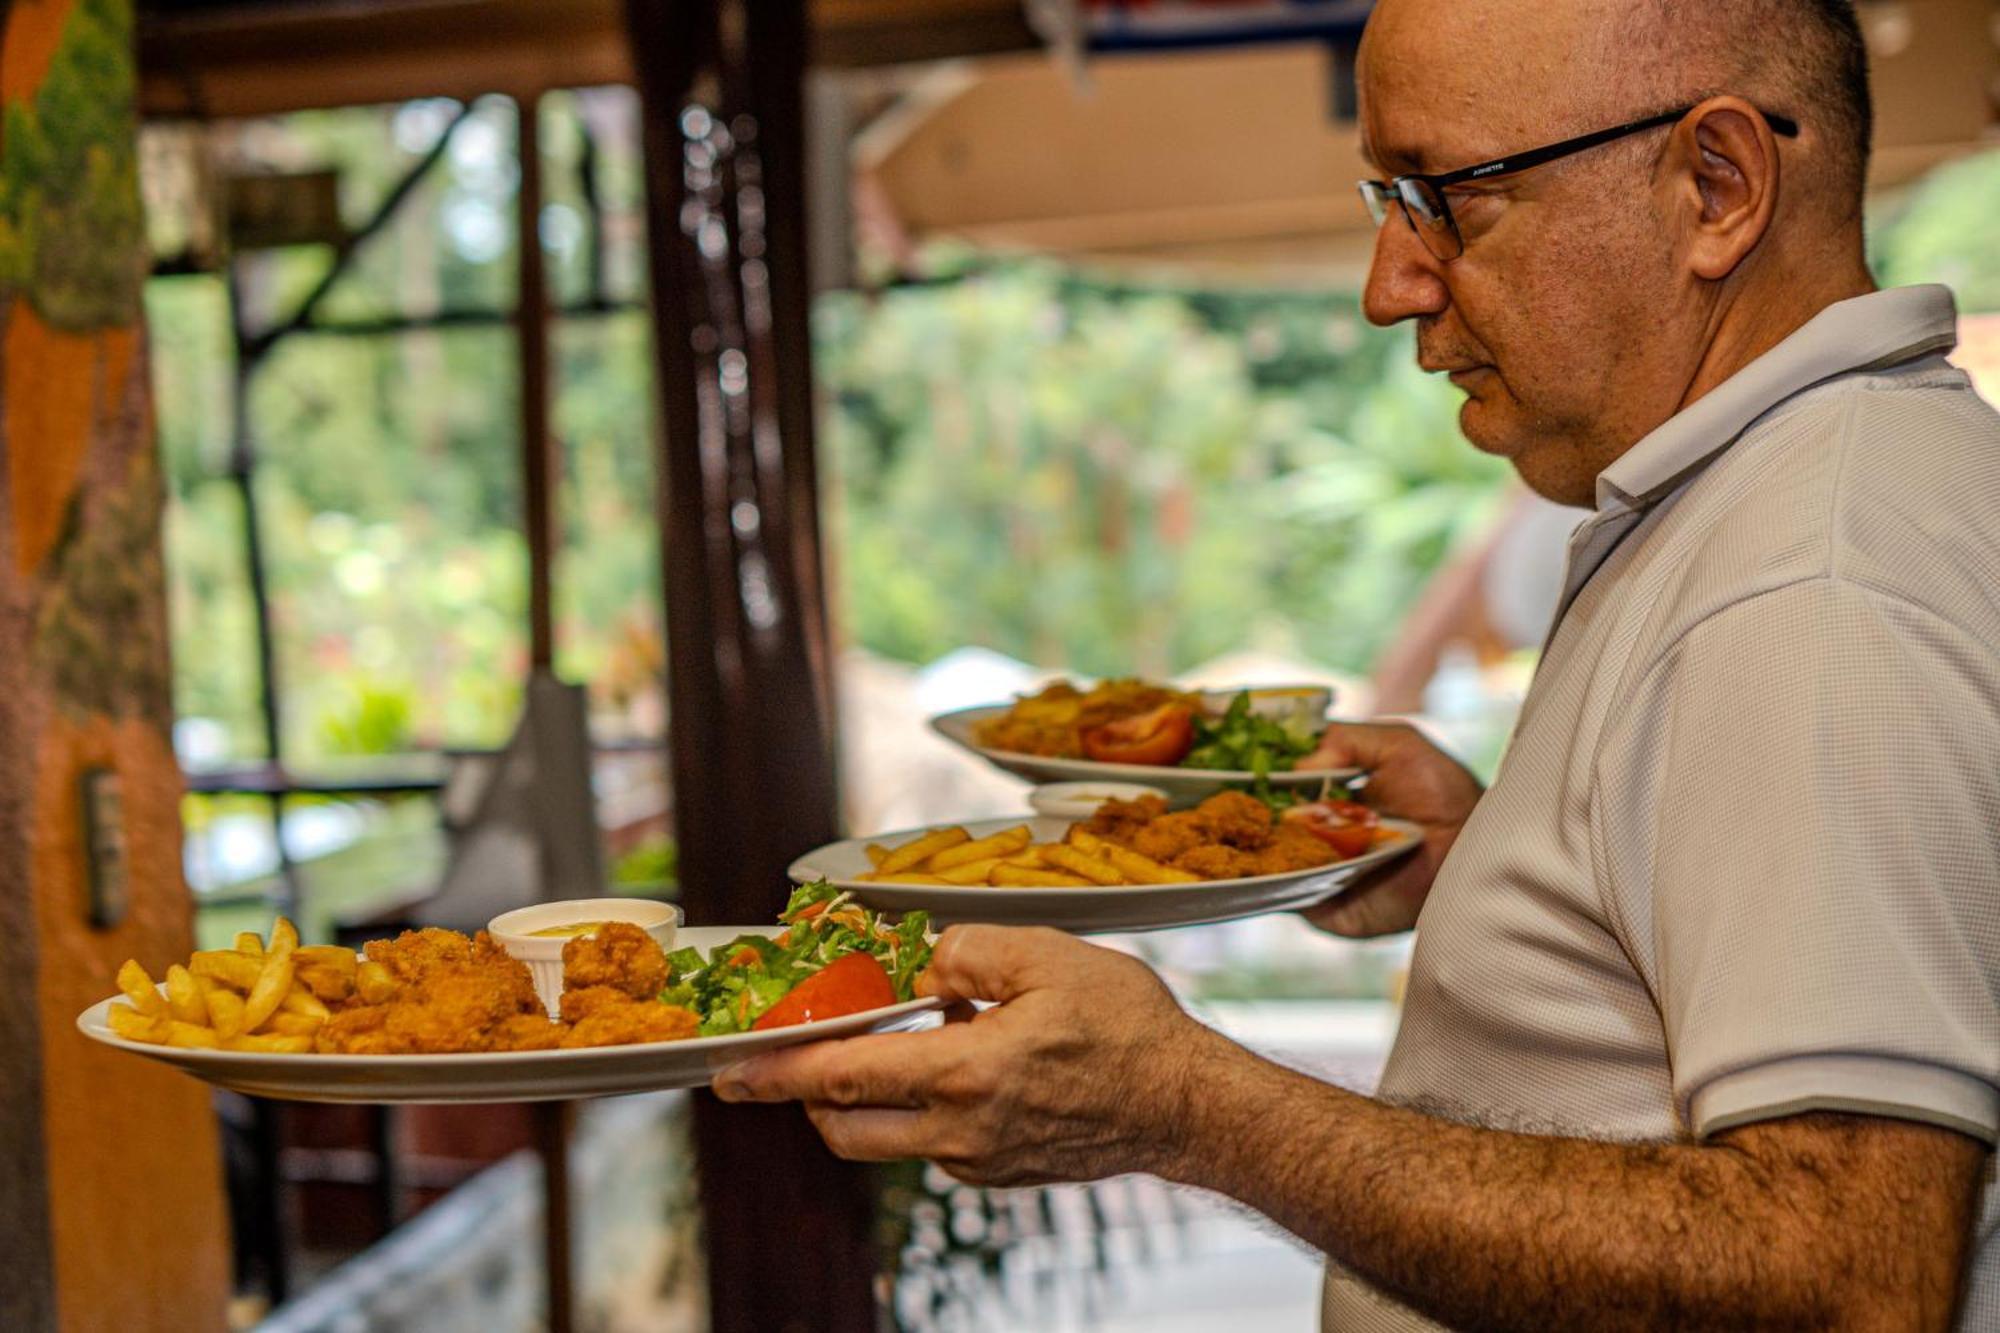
(1807, 866)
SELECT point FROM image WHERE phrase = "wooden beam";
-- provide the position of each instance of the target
(263, 59)
(749, 686)
(254, 60)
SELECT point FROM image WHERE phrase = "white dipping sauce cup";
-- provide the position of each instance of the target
(515, 932)
(1079, 800)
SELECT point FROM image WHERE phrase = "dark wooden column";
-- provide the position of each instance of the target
(531, 328)
(789, 1228)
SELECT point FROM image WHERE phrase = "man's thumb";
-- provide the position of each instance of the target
(992, 963)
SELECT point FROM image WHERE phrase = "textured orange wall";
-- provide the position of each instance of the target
(136, 1212)
(136, 1236)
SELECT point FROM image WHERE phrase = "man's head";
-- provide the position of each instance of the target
(1600, 293)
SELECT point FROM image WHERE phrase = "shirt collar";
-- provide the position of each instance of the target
(1859, 334)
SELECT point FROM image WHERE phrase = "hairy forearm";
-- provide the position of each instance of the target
(1487, 1229)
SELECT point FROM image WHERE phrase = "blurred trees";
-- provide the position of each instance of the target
(1076, 469)
(1110, 478)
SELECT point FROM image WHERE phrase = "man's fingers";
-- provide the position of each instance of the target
(1349, 745)
(995, 963)
(1381, 903)
(870, 1134)
(887, 1070)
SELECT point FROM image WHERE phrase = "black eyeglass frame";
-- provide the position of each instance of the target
(1403, 190)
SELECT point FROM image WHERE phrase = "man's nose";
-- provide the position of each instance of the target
(1404, 279)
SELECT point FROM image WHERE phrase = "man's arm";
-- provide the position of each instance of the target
(1816, 1221)
(1088, 1068)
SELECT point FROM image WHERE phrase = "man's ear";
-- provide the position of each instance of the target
(1725, 160)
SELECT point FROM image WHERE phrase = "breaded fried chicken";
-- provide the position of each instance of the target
(580, 1002)
(1215, 861)
(1234, 817)
(529, 1032)
(456, 994)
(1231, 835)
(619, 955)
(1119, 820)
(633, 1021)
(412, 954)
(1293, 848)
(1170, 836)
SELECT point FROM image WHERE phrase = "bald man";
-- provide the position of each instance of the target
(1703, 1024)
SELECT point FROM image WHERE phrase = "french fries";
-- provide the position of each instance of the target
(1005, 843)
(1092, 868)
(253, 997)
(1012, 858)
(913, 854)
(1136, 868)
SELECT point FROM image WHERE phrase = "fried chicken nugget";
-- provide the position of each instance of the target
(1215, 861)
(633, 1021)
(457, 1010)
(1170, 836)
(580, 1002)
(1119, 820)
(412, 955)
(529, 1032)
(1236, 818)
(356, 1031)
(1293, 848)
(619, 955)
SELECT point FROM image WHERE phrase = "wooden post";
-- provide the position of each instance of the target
(538, 517)
(531, 327)
(749, 684)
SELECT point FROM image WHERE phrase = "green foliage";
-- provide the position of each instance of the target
(1122, 480)
(71, 233)
(377, 722)
(1942, 230)
(388, 477)
(653, 864)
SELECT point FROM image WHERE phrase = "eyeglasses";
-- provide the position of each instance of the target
(1424, 204)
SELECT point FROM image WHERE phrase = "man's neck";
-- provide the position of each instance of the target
(1754, 320)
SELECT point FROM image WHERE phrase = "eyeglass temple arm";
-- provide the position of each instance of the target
(1535, 157)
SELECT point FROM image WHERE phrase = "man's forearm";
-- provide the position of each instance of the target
(1499, 1230)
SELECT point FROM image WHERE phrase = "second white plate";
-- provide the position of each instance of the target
(1184, 786)
(1092, 910)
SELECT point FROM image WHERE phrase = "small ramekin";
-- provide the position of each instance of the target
(1079, 800)
(514, 932)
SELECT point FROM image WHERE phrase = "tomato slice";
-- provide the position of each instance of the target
(1159, 738)
(1346, 826)
(847, 985)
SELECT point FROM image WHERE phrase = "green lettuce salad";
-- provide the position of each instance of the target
(1248, 742)
(738, 981)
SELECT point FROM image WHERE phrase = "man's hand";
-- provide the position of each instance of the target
(1083, 1068)
(1409, 778)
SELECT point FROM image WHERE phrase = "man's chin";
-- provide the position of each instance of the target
(1486, 430)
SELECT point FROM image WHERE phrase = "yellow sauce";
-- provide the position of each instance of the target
(574, 928)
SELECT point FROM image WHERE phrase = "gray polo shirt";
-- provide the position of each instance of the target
(1742, 858)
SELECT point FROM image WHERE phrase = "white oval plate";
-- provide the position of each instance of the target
(1184, 786)
(1085, 911)
(506, 1076)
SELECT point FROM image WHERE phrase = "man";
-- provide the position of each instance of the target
(1703, 1026)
